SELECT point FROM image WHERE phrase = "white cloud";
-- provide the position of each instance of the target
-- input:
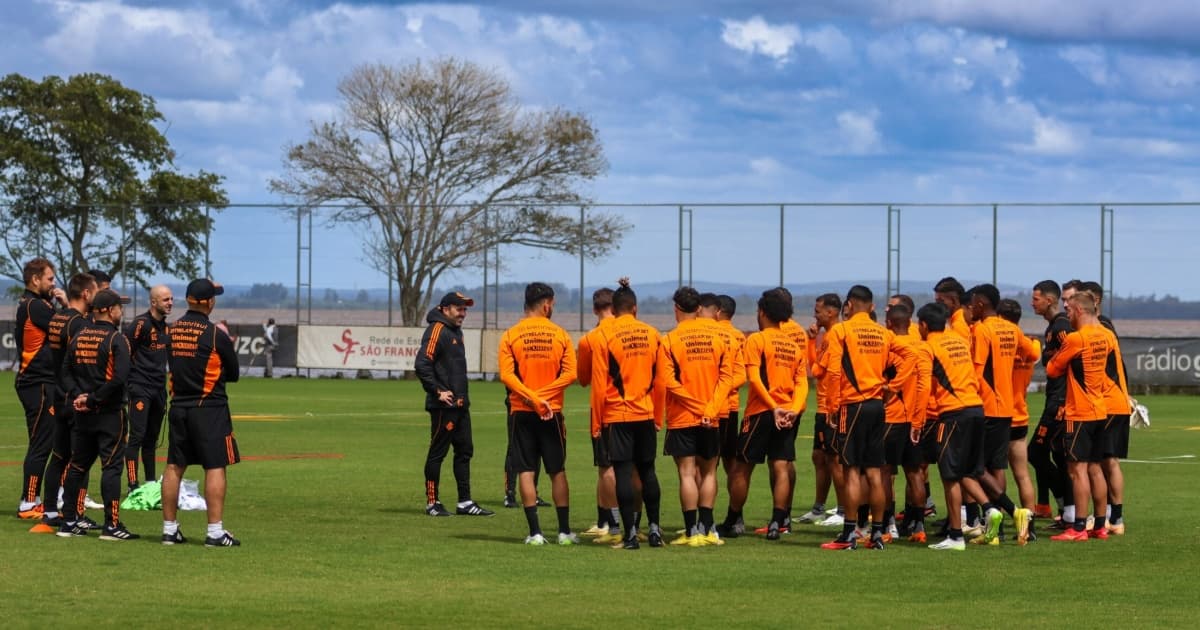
(765, 166)
(1160, 77)
(1091, 62)
(953, 59)
(1054, 137)
(756, 36)
(858, 133)
(566, 33)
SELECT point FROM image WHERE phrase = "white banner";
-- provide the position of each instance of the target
(370, 347)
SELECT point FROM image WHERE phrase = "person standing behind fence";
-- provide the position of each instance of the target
(441, 365)
(202, 361)
(98, 361)
(270, 342)
(537, 364)
(150, 344)
(36, 381)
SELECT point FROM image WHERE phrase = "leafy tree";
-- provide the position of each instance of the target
(86, 179)
(443, 163)
(272, 293)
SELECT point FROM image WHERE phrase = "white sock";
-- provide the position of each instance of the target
(1069, 514)
(170, 528)
(26, 505)
(50, 514)
(215, 530)
(463, 504)
(1108, 512)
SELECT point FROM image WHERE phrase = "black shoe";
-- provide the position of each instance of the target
(510, 501)
(174, 539)
(225, 540)
(68, 530)
(876, 543)
(1031, 537)
(1059, 525)
(631, 543)
(87, 523)
(542, 502)
(725, 531)
(773, 531)
(473, 509)
(654, 538)
(436, 509)
(117, 532)
(52, 521)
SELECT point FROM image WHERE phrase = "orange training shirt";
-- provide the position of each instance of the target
(1117, 401)
(910, 398)
(1082, 358)
(996, 345)
(777, 372)
(958, 325)
(954, 383)
(697, 371)
(1022, 377)
(583, 366)
(537, 363)
(856, 354)
(624, 368)
(734, 339)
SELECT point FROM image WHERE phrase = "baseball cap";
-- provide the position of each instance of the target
(454, 298)
(202, 289)
(107, 298)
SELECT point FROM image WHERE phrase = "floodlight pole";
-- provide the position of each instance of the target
(582, 231)
(995, 240)
(781, 241)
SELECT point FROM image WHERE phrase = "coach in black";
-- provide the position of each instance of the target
(202, 360)
(98, 360)
(441, 364)
(150, 344)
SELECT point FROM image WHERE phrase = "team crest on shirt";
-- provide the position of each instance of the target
(51, 410)
(141, 405)
(449, 426)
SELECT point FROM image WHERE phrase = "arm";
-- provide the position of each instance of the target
(753, 358)
(831, 367)
(922, 369)
(114, 387)
(800, 393)
(223, 346)
(1072, 345)
(566, 374)
(725, 382)
(1027, 349)
(508, 373)
(423, 363)
(583, 371)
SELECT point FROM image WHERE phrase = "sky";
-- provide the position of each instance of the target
(717, 102)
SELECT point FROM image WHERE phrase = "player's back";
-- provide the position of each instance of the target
(954, 385)
(538, 349)
(626, 357)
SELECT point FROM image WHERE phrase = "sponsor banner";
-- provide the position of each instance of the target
(1162, 361)
(249, 341)
(370, 347)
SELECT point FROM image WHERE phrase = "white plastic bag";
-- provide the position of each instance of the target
(1140, 418)
(189, 496)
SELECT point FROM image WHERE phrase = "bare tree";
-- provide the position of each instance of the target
(444, 163)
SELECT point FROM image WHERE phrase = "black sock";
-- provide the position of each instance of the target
(927, 495)
(818, 508)
(777, 516)
(1117, 512)
(864, 515)
(955, 534)
(689, 522)
(564, 519)
(602, 515)
(732, 516)
(706, 519)
(1100, 522)
(1080, 523)
(531, 517)
(972, 514)
(847, 531)
(890, 513)
(1006, 504)
(876, 530)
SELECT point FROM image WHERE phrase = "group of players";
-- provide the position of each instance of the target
(944, 384)
(93, 389)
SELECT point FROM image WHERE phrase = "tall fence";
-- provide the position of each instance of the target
(309, 269)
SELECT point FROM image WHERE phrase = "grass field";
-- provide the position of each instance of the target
(340, 538)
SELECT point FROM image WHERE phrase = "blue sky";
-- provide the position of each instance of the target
(719, 101)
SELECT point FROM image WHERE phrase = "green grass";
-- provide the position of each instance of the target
(344, 541)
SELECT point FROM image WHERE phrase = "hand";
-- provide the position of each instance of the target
(446, 396)
(545, 411)
(59, 295)
(914, 435)
(813, 328)
(706, 421)
(80, 403)
(784, 418)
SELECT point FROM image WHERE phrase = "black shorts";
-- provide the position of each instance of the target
(860, 434)
(631, 441)
(600, 453)
(1084, 441)
(1018, 433)
(760, 440)
(535, 439)
(895, 442)
(823, 437)
(996, 434)
(1048, 434)
(202, 435)
(702, 442)
(729, 428)
(1116, 436)
(960, 443)
(925, 451)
